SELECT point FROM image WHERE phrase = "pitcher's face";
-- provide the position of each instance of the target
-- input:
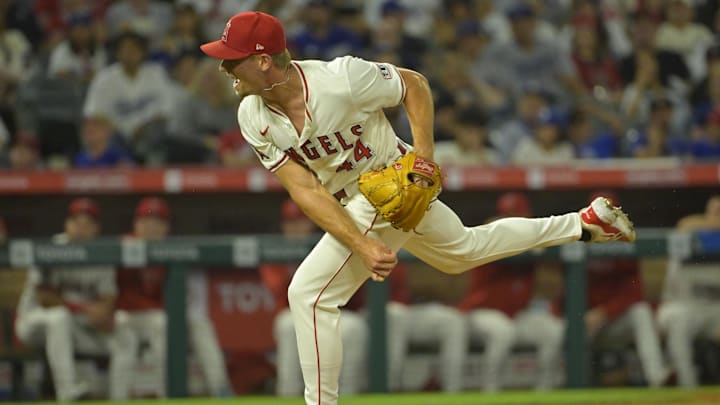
(248, 78)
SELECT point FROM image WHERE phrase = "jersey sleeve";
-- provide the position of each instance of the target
(374, 85)
(270, 155)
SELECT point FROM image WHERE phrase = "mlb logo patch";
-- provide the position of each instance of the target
(385, 71)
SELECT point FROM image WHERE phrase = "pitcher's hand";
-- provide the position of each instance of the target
(378, 258)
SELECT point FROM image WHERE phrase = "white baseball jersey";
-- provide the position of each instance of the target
(346, 134)
(80, 285)
(77, 285)
(344, 99)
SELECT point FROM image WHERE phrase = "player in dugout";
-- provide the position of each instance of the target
(141, 306)
(71, 310)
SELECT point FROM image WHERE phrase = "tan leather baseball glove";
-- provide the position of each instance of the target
(402, 191)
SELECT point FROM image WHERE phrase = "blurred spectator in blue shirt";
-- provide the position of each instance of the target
(705, 96)
(322, 38)
(99, 150)
(657, 139)
(528, 108)
(588, 142)
(706, 144)
(547, 146)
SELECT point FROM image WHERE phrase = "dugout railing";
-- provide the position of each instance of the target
(180, 254)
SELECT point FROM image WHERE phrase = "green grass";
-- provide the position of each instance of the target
(642, 396)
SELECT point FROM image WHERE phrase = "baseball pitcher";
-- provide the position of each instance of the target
(320, 127)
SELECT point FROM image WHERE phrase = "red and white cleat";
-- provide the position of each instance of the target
(606, 223)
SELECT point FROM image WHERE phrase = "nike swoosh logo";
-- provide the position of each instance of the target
(263, 132)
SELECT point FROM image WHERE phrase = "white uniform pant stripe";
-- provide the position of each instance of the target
(326, 386)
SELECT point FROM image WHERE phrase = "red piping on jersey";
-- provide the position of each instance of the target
(275, 111)
(317, 347)
(402, 148)
(402, 87)
(276, 165)
(307, 90)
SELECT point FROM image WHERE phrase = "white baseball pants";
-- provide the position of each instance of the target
(637, 322)
(689, 310)
(682, 322)
(354, 337)
(63, 334)
(330, 274)
(148, 326)
(151, 326)
(427, 323)
(499, 333)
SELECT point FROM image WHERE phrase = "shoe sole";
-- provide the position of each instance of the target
(621, 221)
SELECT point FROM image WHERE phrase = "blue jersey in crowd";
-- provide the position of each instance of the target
(602, 146)
(112, 156)
(705, 149)
(673, 146)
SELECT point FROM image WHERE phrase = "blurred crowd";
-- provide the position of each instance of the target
(107, 83)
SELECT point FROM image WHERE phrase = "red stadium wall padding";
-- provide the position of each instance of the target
(207, 180)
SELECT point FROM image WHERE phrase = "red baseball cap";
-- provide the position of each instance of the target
(248, 33)
(513, 205)
(83, 206)
(152, 207)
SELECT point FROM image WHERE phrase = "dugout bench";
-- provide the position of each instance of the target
(180, 254)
